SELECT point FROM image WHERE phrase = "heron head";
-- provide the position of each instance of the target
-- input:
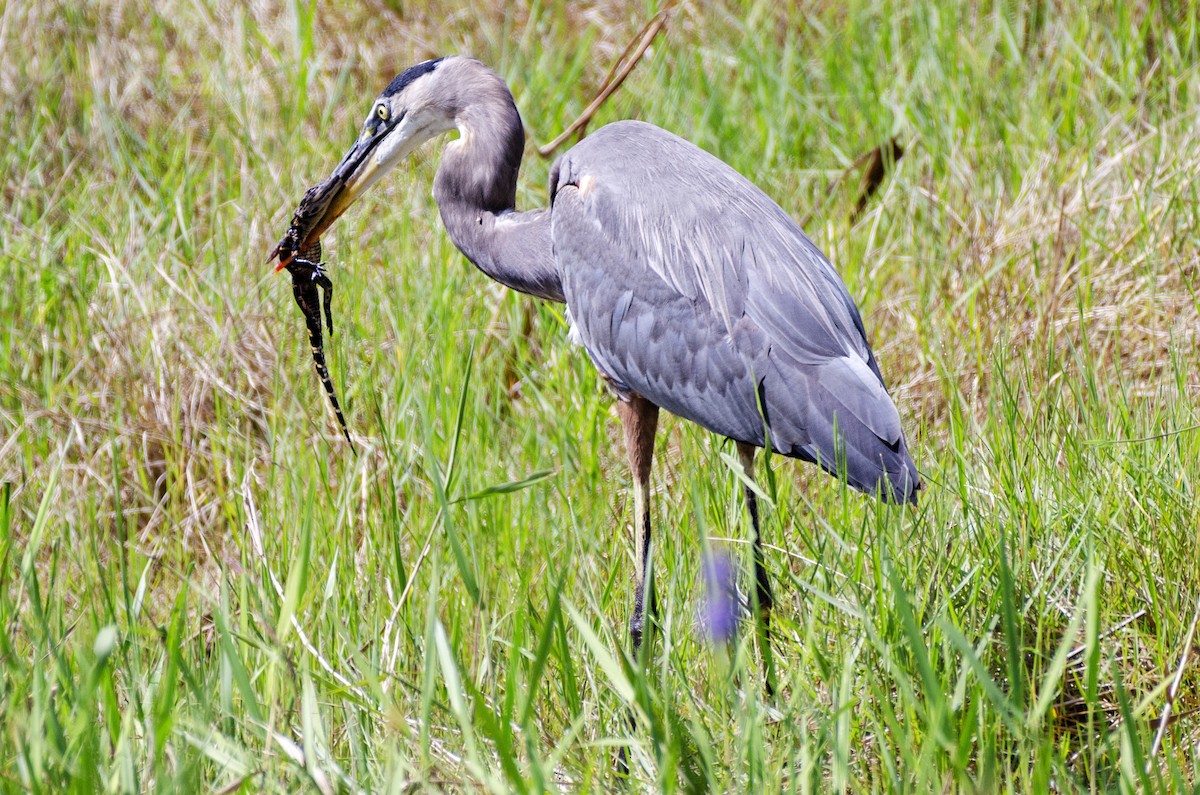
(420, 103)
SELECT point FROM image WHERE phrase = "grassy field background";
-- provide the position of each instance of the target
(201, 587)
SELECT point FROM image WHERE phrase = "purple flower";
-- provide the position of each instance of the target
(719, 616)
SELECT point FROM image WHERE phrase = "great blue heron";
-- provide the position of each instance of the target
(690, 289)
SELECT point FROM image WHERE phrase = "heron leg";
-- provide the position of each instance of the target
(639, 421)
(762, 583)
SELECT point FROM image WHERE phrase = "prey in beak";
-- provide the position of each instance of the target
(398, 124)
(308, 222)
(380, 147)
(299, 251)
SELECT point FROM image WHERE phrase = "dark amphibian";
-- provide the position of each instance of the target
(312, 290)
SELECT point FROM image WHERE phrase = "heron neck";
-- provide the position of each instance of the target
(476, 189)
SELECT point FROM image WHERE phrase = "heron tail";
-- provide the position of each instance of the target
(852, 430)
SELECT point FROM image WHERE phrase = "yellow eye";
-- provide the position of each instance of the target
(382, 112)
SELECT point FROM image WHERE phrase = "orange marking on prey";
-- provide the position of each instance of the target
(283, 263)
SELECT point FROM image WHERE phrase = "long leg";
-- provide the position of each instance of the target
(639, 420)
(762, 583)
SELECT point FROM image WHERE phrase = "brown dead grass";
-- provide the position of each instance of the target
(1095, 257)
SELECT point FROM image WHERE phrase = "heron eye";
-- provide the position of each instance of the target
(382, 112)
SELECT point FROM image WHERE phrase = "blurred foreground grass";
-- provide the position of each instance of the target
(201, 586)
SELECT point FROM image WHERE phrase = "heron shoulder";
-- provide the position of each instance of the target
(634, 157)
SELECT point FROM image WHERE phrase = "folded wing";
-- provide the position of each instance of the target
(692, 288)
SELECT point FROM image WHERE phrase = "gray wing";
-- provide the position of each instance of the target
(692, 288)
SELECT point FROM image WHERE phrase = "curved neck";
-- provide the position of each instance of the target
(476, 189)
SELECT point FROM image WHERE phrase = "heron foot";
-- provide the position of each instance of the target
(621, 763)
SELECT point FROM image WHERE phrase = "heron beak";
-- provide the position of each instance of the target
(325, 202)
(365, 164)
(371, 157)
(359, 170)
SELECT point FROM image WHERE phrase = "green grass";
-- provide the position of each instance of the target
(200, 586)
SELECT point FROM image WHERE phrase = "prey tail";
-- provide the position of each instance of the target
(318, 355)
